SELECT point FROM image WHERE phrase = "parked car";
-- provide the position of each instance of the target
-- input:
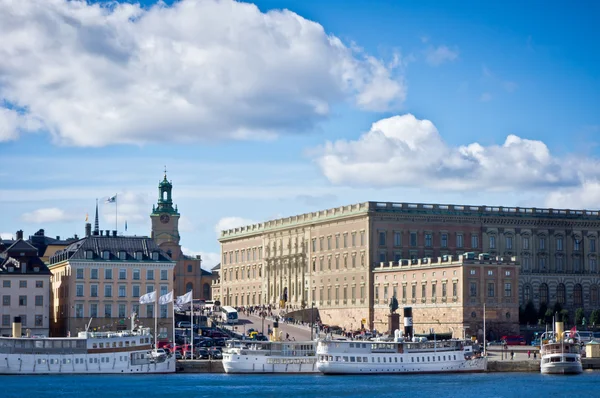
(184, 324)
(202, 353)
(178, 355)
(215, 354)
(219, 342)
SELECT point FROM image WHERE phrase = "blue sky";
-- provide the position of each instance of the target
(259, 113)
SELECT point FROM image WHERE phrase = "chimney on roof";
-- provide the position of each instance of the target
(20, 234)
(57, 237)
(108, 232)
(115, 233)
(101, 233)
(88, 229)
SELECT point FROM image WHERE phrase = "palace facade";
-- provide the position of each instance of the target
(328, 257)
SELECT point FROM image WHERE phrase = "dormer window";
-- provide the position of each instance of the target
(105, 254)
(11, 269)
(138, 255)
(122, 255)
(89, 254)
(36, 269)
(155, 256)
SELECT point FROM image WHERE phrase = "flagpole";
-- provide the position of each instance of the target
(173, 301)
(116, 213)
(156, 324)
(192, 323)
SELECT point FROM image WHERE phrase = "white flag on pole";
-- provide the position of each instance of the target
(186, 298)
(148, 298)
(165, 298)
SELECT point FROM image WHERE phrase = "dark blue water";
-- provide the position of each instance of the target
(288, 386)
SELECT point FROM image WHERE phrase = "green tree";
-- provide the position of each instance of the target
(564, 316)
(529, 314)
(595, 317)
(548, 316)
(557, 309)
(542, 312)
(579, 315)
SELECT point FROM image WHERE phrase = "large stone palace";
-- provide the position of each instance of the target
(328, 257)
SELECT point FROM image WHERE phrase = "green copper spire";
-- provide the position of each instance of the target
(165, 201)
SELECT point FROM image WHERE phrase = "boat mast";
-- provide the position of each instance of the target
(484, 342)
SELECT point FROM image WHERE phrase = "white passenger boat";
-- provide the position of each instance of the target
(243, 356)
(398, 355)
(560, 354)
(123, 352)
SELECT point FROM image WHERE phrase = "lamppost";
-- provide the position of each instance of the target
(263, 315)
(312, 315)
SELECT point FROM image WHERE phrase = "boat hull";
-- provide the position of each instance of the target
(465, 366)
(561, 368)
(113, 363)
(260, 364)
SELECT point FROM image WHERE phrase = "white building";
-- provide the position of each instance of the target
(25, 290)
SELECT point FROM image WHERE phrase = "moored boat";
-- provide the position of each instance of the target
(123, 352)
(398, 355)
(560, 354)
(274, 356)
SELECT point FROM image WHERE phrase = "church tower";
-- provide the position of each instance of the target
(165, 220)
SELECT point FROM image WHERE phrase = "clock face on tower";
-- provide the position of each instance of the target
(164, 218)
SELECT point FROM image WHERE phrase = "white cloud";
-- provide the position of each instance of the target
(209, 259)
(132, 207)
(48, 215)
(485, 97)
(12, 122)
(438, 55)
(406, 151)
(6, 235)
(95, 74)
(232, 222)
(585, 196)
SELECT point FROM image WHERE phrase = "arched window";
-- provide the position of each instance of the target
(561, 293)
(526, 294)
(189, 287)
(594, 295)
(544, 293)
(206, 291)
(578, 295)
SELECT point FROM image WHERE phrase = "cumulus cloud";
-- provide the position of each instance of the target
(406, 151)
(94, 74)
(48, 215)
(232, 222)
(584, 196)
(438, 55)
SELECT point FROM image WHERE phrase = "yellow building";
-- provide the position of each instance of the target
(99, 279)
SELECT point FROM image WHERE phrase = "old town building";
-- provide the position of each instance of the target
(189, 274)
(448, 294)
(25, 289)
(99, 279)
(328, 257)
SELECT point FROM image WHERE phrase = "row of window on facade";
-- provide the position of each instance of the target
(560, 263)
(336, 262)
(561, 294)
(338, 241)
(123, 274)
(243, 255)
(460, 241)
(38, 320)
(413, 291)
(122, 255)
(121, 310)
(122, 290)
(22, 284)
(325, 295)
(244, 273)
(22, 300)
